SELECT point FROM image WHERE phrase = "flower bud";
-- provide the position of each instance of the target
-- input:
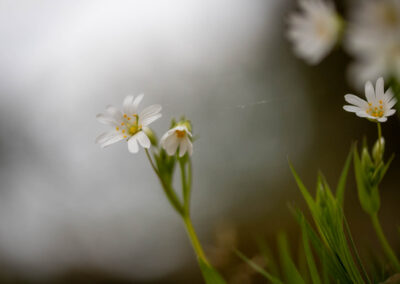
(378, 150)
(366, 161)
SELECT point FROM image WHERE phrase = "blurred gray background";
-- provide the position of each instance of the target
(68, 207)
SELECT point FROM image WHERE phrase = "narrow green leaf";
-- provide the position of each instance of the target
(302, 261)
(359, 262)
(343, 178)
(307, 196)
(309, 256)
(292, 274)
(384, 170)
(329, 261)
(210, 275)
(259, 269)
(268, 256)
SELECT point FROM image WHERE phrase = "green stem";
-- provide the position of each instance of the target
(169, 192)
(193, 239)
(379, 139)
(185, 187)
(386, 247)
(182, 210)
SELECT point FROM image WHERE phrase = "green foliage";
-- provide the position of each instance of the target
(292, 275)
(369, 172)
(326, 210)
(210, 275)
(268, 256)
(310, 257)
(259, 269)
(340, 189)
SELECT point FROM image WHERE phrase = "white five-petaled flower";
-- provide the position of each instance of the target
(179, 136)
(378, 105)
(129, 124)
(315, 31)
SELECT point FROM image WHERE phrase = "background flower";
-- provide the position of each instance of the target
(315, 30)
(373, 39)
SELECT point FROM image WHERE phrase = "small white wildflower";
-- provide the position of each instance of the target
(373, 39)
(128, 125)
(378, 105)
(315, 31)
(178, 136)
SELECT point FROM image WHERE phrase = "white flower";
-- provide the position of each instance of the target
(315, 31)
(373, 39)
(177, 137)
(378, 105)
(128, 125)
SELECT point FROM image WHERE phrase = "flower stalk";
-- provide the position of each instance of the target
(380, 149)
(385, 244)
(182, 208)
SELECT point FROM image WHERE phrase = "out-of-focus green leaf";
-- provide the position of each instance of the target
(302, 262)
(290, 271)
(259, 269)
(210, 275)
(307, 196)
(268, 256)
(309, 257)
(343, 178)
(360, 264)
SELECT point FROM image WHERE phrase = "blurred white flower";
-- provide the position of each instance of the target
(177, 137)
(378, 105)
(128, 125)
(314, 31)
(373, 39)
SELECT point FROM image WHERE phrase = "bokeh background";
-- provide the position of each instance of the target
(72, 212)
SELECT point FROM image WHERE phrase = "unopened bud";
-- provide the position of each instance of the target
(378, 150)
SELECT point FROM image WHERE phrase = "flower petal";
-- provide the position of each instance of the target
(171, 145)
(354, 100)
(149, 119)
(143, 140)
(382, 119)
(166, 135)
(369, 92)
(390, 112)
(379, 88)
(133, 146)
(388, 95)
(111, 138)
(182, 147)
(137, 101)
(190, 147)
(106, 119)
(149, 111)
(363, 114)
(114, 112)
(352, 108)
(127, 104)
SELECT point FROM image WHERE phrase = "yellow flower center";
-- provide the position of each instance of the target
(129, 126)
(180, 133)
(375, 111)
